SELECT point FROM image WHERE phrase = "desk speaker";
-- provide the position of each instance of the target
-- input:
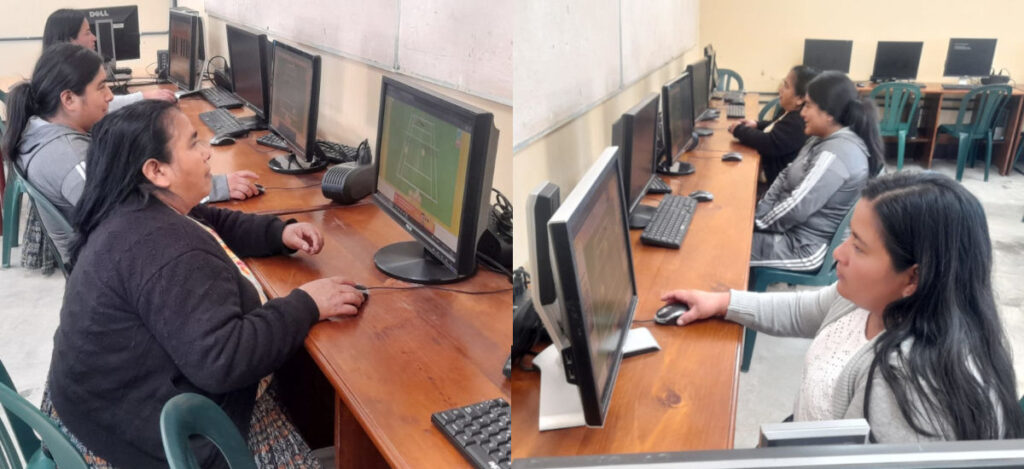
(348, 182)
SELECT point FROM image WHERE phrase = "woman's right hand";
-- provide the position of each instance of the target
(334, 296)
(749, 123)
(703, 304)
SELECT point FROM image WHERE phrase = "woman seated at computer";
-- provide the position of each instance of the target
(801, 211)
(779, 139)
(909, 337)
(49, 119)
(159, 303)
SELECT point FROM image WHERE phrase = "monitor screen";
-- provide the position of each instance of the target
(181, 49)
(677, 112)
(701, 86)
(594, 265)
(246, 52)
(826, 54)
(435, 166)
(896, 60)
(634, 133)
(124, 23)
(295, 98)
(969, 57)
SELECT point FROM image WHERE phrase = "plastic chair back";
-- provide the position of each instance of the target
(985, 103)
(900, 102)
(726, 77)
(25, 421)
(769, 110)
(46, 207)
(188, 414)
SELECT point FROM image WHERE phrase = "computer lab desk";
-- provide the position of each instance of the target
(682, 397)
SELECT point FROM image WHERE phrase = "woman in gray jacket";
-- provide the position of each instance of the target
(909, 337)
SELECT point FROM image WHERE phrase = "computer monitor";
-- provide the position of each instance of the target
(435, 159)
(895, 60)
(712, 58)
(634, 133)
(677, 124)
(116, 30)
(827, 54)
(247, 53)
(294, 106)
(701, 85)
(969, 57)
(185, 48)
(593, 265)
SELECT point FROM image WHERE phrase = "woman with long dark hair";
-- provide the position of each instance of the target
(797, 217)
(159, 303)
(908, 337)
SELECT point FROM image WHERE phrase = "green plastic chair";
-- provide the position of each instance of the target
(988, 100)
(764, 276)
(896, 116)
(725, 77)
(45, 207)
(12, 195)
(186, 415)
(26, 421)
(769, 110)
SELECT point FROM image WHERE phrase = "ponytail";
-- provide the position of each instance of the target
(20, 107)
(835, 94)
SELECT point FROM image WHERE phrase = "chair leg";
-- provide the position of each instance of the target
(749, 336)
(963, 147)
(901, 144)
(12, 212)
(988, 153)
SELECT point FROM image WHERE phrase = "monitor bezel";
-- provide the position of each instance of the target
(127, 15)
(562, 228)
(310, 152)
(945, 67)
(703, 63)
(847, 45)
(875, 75)
(623, 135)
(193, 19)
(261, 112)
(666, 116)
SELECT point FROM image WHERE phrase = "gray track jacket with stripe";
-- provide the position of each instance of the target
(797, 217)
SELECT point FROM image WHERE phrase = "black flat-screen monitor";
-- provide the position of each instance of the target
(634, 133)
(712, 58)
(593, 265)
(116, 30)
(828, 54)
(247, 53)
(969, 57)
(435, 159)
(186, 51)
(677, 115)
(701, 84)
(294, 106)
(896, 60)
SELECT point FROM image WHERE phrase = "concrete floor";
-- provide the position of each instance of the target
(31, 305)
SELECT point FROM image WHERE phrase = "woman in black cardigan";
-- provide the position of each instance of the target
(159, 303)
(779, 140)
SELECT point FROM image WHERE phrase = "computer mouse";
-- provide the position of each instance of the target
(218, 140)
(365, 291)
(668, 314)
(861, 84)
(732, 156)
(702, 196)
(259, 188)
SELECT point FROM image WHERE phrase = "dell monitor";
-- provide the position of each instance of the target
(826, 54)
(435, 159)
(969, 57)
(896, 61)
(247, 53)
(186, 52)
(712, 58)
(593, 265)
(634, 133)
(294, 106)
(677, 124)
(116, 30)
(701, 89)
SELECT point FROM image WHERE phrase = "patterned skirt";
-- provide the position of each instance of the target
(273, 440)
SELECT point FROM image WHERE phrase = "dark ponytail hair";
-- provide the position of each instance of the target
(62, 67)
(804, 75)
(62, 26)
(835, 94)
(122, 142)
(960, 358)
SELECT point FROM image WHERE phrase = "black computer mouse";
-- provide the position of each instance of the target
(732, 156)
(365, 291)
(218, 140)
(702, 196)
(259, 188)
(668, 314)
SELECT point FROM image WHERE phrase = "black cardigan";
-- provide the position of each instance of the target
(778, 147)
(155, 308)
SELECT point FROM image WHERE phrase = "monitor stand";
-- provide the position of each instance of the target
(641, 216)
(409, 261)
(679, 168)
(560, 405)
(290, 164)
(703, 131)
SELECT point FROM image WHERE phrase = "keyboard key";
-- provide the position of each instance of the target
(482, 432)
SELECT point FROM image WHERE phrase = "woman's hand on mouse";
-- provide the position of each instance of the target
(334, 296)
(242, 185)
(303, 237)
(703, 304)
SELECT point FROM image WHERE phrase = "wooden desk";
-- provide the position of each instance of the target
(408, 354)
(684, 396)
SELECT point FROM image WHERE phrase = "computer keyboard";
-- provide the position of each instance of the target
(658, 186)
(733, 97)
(273, 141)
(221, 98)
(482, 432)
(959, 86)
(733, 111)
(338, 152)
(671, 220)
(222, 122)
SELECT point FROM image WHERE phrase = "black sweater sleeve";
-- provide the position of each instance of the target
(786, 137)
(246, 234)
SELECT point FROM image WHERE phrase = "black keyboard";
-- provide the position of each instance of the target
(273, 141)
(959, 86)
(222, 122)
(669, 224)
(338, 152)
(658, 186)
(733, 97)
(735, 110)
(482, 432)
(220, 97)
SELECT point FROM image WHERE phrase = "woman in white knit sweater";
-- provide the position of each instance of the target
(912, 314)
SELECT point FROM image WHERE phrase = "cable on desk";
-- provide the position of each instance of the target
(493, 265)
(432, 287)
(292, 188)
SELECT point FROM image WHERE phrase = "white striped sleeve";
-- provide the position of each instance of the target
(786, 205)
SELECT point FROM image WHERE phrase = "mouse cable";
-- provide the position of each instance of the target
(432, 287)
(291, 188)
(643, 320)
(493, 265)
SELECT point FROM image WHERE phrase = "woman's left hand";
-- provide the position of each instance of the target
(303, 237)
